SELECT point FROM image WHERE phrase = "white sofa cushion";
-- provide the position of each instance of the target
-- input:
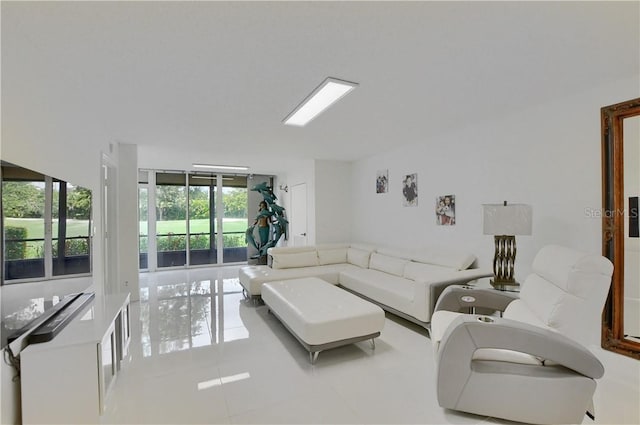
(295, 259)
(541, 297)
(358, 257)
(575, 272)
(564, 293)
(335, 245)
(426, 272)
(393, 291)
(444, 257)
(332, 255)
(387, 264)
(290, 249)
(518, 310)
(252, 277)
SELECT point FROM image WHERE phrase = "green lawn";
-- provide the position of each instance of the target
(229, 225)
(35, 227)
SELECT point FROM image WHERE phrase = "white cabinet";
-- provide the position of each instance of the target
(67, 380)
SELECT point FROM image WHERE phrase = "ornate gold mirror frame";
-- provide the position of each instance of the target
(614, 215)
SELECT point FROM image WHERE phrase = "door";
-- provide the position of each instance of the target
(202, 221)
(299, 214)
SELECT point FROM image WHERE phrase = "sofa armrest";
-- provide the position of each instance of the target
(470, 332)
(462, 298)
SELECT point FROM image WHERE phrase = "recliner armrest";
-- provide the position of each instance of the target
(461, 298)
(469, 332)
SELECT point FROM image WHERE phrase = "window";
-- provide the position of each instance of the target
(46, 226)
(200, 219)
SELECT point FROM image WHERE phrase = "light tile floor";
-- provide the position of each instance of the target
(200, 353)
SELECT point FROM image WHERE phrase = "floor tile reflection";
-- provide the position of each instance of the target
(200, 353)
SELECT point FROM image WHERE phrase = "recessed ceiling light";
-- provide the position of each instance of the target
(326, 94)
(210, 177)
(221, 167)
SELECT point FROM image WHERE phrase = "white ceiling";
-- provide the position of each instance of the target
(201, 75)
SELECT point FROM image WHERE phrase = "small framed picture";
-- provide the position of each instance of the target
(410, 190)
(382, 181)
(446, 210)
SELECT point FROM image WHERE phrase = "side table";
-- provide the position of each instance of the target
(487, 283)
(476, 297)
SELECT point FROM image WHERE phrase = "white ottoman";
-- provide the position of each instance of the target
(320, 315)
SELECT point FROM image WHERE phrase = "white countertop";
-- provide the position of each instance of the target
(89, 325)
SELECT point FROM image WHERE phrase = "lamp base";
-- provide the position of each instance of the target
(511, 286)
(504, 260)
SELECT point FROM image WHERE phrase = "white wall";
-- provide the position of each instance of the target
(547, 156)
(293, 173)
(332, 193)
(128, 227)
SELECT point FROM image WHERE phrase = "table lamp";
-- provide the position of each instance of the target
(505, 222)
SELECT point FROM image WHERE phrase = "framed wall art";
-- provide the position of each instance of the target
(382, 181)
(446, 210)
(410, 190)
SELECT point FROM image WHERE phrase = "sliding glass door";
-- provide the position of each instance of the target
(199, 219)
(202, 212)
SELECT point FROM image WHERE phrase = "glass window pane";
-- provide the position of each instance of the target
(143, 205)
(202, 236)
(23, 207)
(234, 222)
(71, 243)
(171, 224)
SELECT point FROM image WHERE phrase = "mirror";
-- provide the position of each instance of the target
(620, 225)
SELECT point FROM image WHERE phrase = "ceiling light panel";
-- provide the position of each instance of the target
(221, 167)
(326, 94)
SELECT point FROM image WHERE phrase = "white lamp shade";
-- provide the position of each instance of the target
(512, 219)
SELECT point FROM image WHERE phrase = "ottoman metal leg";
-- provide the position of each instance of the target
(373, 344)
(313, 356)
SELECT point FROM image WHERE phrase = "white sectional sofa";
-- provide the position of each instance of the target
(404, 282)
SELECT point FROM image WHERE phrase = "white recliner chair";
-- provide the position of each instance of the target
(531, 364)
